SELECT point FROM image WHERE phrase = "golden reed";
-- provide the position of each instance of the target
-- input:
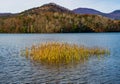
(54, 53)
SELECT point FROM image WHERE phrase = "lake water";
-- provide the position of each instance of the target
(16, 69)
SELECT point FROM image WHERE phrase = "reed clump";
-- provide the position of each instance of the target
(54, 53)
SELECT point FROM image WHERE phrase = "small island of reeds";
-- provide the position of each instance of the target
(55, 53)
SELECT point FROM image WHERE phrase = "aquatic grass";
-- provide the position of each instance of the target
(55, 53)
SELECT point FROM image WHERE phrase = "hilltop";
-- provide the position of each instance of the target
(52, 18)
(50, 7)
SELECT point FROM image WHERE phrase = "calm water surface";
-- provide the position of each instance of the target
(16, 69)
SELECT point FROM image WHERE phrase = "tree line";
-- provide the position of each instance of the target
(57, 22)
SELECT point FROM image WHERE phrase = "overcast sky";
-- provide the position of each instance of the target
(15, 6)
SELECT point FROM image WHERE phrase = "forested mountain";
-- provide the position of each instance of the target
(52, 18)
(113, 15)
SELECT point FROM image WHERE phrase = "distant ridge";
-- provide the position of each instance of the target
(113, 15)
(86, 11)
(5, 14)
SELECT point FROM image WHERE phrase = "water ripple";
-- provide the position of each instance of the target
(18, 70)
